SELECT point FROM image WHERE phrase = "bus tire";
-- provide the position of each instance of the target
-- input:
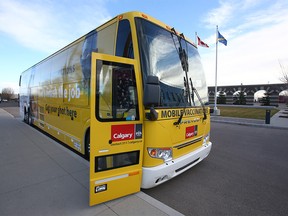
(87, 144)
(26, 116)
(29, 117)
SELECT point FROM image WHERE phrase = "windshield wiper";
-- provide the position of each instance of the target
(185, 66)
(192, 89)
(199, 98)
(185, 102)
(181, 52)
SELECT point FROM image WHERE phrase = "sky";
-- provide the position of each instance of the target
(256, 31)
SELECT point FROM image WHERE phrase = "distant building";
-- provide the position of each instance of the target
(277, 93)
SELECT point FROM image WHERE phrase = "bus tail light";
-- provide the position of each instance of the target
(161, 153)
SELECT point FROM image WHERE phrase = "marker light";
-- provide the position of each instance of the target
(161, 153)
(144, 16)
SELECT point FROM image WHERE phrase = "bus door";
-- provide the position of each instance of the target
(116, 130)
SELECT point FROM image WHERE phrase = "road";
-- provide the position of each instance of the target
(246, 173)
(40, 177)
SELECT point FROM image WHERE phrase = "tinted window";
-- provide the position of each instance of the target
(108, 162)
(89, 46)
(124, 45)
(116, 92)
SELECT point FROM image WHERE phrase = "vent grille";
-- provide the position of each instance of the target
(188, 143)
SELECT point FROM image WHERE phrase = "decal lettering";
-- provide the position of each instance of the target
(191, 131)
(122, 136)
(176, 113)
(122, 132)
(126, 132)
(69, 92)
(61, 111)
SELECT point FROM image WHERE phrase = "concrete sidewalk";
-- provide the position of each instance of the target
(40, 177)
(278, 121)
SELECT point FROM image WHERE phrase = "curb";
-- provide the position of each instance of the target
(249, 124)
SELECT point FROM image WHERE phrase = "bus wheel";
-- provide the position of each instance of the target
(87, 145)
(29, 119)
(26, 116)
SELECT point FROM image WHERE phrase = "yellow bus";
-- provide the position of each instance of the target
(130, 96)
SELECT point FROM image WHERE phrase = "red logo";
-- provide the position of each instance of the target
(191, 131)
(122, 132)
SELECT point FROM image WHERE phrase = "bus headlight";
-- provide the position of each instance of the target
(161, 153)
(206, 139)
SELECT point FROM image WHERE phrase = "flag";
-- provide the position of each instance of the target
(221, 39)
(201, 43)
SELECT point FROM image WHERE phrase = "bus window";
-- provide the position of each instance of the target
(89, 46)
(117, 93)
(105, 42)
(124, 45)
(159, 57)
(114, 161)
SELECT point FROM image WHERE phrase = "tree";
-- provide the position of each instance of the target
(242, 98)
(284, 73)
(265, 101)
(221, 98)
(284, 78)
(7, 93)
(239, 98)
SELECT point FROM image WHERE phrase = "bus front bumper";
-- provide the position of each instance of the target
(154, 176)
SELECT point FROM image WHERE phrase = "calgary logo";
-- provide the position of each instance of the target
(191, 131)
(122, 136)
(126, 132)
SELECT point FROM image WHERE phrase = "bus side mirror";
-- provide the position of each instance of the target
(20, 80)
(152, 92)
(152, 96)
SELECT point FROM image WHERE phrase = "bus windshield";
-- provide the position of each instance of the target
(159, 53)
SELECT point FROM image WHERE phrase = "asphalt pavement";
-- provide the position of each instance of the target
(246, 173)
(40, 177)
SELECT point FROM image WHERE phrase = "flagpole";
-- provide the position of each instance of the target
(216, 112)
(196, 41)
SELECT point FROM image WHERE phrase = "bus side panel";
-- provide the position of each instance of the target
(58, 88)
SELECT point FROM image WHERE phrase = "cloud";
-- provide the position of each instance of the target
(242, 14)
(50, 25)
(220, 15)
(256, 42)
(250, 58)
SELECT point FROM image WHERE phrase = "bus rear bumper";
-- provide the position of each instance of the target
(154, 176)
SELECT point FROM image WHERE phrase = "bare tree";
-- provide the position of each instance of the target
(284, 73)
(7, 93)
(284, 79)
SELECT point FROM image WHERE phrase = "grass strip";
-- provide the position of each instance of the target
(239, 112)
